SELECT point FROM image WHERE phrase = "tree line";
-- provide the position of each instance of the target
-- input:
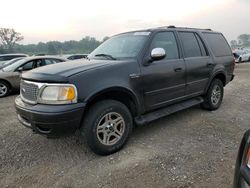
(243, 40)
(9, 40)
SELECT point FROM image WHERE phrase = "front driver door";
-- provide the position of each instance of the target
(163, 80)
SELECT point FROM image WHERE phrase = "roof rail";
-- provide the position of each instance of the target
(172, 26)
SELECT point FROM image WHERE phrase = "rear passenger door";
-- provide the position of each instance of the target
(199, 65)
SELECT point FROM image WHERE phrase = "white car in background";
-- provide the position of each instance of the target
(241, 56)
(7, 57)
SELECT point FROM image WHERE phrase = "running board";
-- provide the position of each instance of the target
(146, 118)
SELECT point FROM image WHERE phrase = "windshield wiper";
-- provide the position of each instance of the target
(105, 55)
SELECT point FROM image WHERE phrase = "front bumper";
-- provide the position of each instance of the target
(50, 120)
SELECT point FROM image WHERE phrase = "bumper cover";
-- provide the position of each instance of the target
(50, 120)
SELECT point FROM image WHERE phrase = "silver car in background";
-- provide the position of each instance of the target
(7, 63)
(10, 75)
(7, 57)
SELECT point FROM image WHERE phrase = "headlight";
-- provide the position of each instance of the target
(58, 94)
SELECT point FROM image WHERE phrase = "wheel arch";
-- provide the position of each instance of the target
(221, 75)
(121, 94)
(6, 81)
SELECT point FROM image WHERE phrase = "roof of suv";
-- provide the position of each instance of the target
(182, 28)
(171, 27)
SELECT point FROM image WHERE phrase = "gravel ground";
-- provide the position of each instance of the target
(191, 148)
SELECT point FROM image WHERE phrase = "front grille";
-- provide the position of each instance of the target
(29, 91)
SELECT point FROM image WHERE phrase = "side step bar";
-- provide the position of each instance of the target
(146, 118)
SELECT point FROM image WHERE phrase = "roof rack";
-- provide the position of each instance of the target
(173, 27)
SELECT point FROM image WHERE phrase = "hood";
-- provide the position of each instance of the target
(61, 71)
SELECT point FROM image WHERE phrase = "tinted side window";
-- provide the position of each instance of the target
(190, 44)
(6, 58)
(57, 60)
(218, 44)
(49, 61)
(202, 47)
(52, 61)
(167, 41)
(28, 66)
(40, 62)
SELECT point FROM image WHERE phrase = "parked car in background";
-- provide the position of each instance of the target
(242, 56)
(77, 56)
(10, 75)
(7, 63)
(133, 77)
(242, 167)
(6, 57)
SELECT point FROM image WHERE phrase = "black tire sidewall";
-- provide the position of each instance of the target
(208, 100)
(92, 119)
(240, 60)
(8, 88)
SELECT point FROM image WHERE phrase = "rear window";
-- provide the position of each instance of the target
(10, 57)
(218, 44)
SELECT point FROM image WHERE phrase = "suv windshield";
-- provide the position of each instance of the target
(121, 46)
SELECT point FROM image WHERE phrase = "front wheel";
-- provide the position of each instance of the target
(4, 89)
(107, 126)
(214, 95)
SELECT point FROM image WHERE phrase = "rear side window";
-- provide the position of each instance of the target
(10, 57)
(6, 58)
(202, 46)
(218, 44)
(167, 41)
(28, 66)
(190, 44)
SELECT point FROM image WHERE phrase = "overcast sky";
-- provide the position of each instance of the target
(44, 20)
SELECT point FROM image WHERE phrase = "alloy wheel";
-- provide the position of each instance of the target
(110, 128)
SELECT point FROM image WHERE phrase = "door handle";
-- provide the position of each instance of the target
(178, 69)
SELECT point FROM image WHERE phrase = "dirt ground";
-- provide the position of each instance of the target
(191, 148)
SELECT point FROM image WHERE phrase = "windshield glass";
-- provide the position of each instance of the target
(121, 46)
(12, 61)
(13, 66)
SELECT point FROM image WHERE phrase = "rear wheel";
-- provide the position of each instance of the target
(107, 126)
(240, 60)
(4, 89)
(214, 96)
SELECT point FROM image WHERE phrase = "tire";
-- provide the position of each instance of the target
(240, 60)
(214, 95)
(249, 59)
(4, 89)
(100, 130)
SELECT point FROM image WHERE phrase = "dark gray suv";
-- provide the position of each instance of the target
(132, 78)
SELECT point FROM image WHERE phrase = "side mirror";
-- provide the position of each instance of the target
(20, 69)
(158, 54)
